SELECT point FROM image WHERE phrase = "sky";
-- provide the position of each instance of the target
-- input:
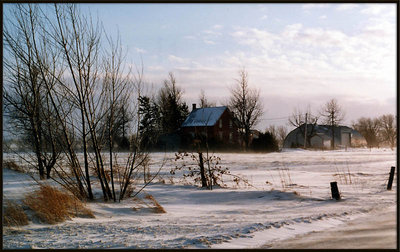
(296, 55)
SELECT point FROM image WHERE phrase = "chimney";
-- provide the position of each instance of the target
(193, 106)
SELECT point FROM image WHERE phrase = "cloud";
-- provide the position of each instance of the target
(210, 36)
(320, 60)
(300, 64)
(379, 9)
(140, 50)
(218, 27)
(209, 42)
(176, 59)
(211, 32)
(345, 7)
(191, 37)
(264, 17)
(323, 17)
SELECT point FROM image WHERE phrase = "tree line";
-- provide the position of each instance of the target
(378, 131)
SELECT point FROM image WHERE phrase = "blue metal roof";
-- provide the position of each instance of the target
(204, 117)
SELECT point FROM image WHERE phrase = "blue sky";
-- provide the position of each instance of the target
(297, 55)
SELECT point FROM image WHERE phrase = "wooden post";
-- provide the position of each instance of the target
(335, 191)
(391, 176)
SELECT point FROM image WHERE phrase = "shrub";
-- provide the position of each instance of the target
(265, 142)
(10, 164)
(157, 207)
(14, 215)
(52, 205)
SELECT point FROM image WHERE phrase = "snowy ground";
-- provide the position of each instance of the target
(290, 196)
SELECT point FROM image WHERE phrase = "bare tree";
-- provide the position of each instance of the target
(116, 92)
(68, 96)
(245, 105)
(306, 122)
(204, 103)
(279, 133)
(79, 41)
(333, 114)
(369, 128)
(388, 130)
(28, 65)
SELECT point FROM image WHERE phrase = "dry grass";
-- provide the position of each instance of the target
(296, 193)
(284, 175)
(10, 164)
(157, 207)
(52, 205)
(160, 180)
(14, 215)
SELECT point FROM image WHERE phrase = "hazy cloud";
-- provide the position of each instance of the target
(140, 50)
(345, 7)
(218, 27)
(191, 37)
(176, 59)
(314, 6)
(379, 9)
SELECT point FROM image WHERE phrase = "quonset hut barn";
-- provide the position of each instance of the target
(320, 137)
(214, 123)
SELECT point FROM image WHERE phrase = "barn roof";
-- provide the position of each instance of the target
(204, 117)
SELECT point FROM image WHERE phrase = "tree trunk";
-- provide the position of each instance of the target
(202, 170)
(85, 156)
(39, 158)
(111, 167)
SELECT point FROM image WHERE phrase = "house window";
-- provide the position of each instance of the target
(220, 123)
(220, 135)
(230, 137)
(230, 124)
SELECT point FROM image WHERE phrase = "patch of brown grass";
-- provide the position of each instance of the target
(157, 207)
(14, 215)
(10, 164)
(52, 205)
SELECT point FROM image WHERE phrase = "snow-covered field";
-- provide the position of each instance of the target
(290, 195)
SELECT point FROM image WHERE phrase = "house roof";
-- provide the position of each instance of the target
(204, 117)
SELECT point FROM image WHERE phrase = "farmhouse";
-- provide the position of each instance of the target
(216, 124)
(320, 136)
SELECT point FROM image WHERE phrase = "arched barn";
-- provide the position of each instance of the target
(320, 137)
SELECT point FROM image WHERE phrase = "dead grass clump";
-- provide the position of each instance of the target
(52, 205)
(10, 164)
(14, 215)
(157, 207)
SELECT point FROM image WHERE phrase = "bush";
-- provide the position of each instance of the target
(266, 142)
(14, 215)
(52, 205)
(13, 166)
(157, 207)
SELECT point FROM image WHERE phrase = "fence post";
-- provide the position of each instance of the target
(391, 176)
(335, 191)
